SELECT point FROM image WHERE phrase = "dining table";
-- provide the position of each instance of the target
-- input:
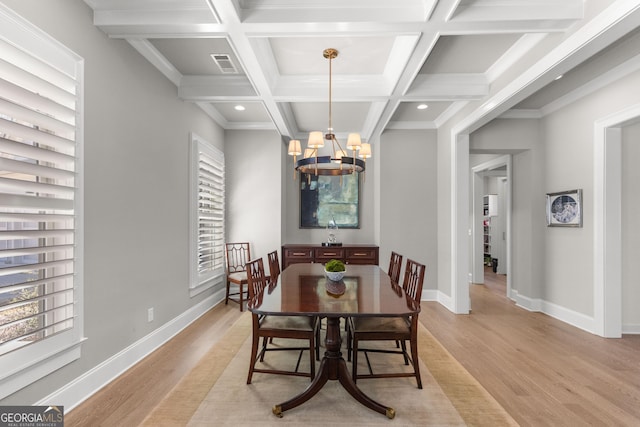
(303, 290)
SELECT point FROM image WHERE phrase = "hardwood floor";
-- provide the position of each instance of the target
(542, 371)
(129, 399)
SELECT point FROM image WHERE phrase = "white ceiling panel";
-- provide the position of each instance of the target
(356, 55)
(467, 54)
(408, 111)
(346, 116)
(254, 112)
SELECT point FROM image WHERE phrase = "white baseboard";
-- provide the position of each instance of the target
(631, 328)
(579, 320)
(429, 295)
(530, 304)
(564, 314)
(83, 387)
(438, 296)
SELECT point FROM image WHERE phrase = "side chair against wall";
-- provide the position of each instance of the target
(291, 327)
(238, 254)
(400, 329)
(395, 265)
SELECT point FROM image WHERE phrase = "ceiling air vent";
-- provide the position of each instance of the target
(224, 62)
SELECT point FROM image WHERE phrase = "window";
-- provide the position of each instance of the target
(207, 215)
(40, 188)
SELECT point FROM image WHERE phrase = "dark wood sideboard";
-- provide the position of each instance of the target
(349, 254)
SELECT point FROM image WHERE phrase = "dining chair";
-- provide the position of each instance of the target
(238, 254)
(395, 265)
(400, 329)
(274, 266)
(274, 272)
(267, 327)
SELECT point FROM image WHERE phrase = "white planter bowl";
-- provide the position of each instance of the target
(334, 276)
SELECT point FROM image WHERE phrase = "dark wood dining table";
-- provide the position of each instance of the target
(303, 290)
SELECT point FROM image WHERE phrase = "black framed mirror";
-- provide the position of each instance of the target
(323, 197)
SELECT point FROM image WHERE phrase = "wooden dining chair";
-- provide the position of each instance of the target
(395, 265)
(400, 329)
(267, 327)
(274, 272)
(238, 254)
(274, 266)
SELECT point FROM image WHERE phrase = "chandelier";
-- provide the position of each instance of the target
(338, 163)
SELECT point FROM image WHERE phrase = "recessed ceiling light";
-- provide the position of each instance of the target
(239, 108)
(422, 107)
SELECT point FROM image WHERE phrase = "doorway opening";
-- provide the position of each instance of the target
(491, 220)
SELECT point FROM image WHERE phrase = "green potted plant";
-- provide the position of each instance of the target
(334, 270)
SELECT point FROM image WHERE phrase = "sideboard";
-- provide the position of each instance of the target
(349, 254)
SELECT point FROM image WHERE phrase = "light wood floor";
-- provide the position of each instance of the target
(542, 371)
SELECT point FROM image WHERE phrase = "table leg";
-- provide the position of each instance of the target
(333, 367)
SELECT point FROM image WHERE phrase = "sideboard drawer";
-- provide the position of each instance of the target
(362, 255)
(326, 254)
(296, 255)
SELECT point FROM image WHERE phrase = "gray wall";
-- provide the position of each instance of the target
(253, 189)
(408, 194)
(568, 139)
(136, 143)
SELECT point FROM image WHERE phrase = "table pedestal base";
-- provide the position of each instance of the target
(333, 367)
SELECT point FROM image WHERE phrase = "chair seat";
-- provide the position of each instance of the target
(292, 323)
(381, 324)
(238, 277)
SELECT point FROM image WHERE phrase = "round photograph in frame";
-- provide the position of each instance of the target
(564, 209)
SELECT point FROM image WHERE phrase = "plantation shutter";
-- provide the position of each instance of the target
(38, 190)
(211, 188)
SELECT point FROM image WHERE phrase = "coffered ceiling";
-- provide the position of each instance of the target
(393, 56)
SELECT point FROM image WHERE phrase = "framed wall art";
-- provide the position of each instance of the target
(326, 197)
(564, 209)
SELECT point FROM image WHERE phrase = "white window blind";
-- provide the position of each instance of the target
(207, 205)
(38, 196)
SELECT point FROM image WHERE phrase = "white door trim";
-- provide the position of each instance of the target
(607, 215)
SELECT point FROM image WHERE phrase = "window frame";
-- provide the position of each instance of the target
(34, 361)
(199, 281)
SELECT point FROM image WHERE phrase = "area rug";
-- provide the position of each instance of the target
(215, 391)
